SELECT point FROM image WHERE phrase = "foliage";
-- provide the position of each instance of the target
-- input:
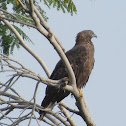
(62, 4)
(8, 40)
(14, 12)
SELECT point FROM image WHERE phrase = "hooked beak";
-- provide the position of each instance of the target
(94, 35)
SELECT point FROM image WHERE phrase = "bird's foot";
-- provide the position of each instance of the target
(65, 82)
(66, 79)
(80, 92)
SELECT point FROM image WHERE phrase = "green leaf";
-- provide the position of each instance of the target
(42, 12)
(8, 41)
(24, 36)
(63, 5)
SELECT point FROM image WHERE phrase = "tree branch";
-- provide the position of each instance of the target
(43, 23)
(51, 38)
(84, 111)
(64, 121)
(22, 71)
(25, 45)
(69, 109)
(34, 98)
(18, 21)
(66, 114)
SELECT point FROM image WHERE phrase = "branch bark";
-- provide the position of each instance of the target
(66, 114)
(22, 71)
(25, 45)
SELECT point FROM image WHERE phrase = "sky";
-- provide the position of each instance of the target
(105, 91)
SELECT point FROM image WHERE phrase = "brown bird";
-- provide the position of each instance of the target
(81, 58)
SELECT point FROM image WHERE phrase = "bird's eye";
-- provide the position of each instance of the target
(90, 33)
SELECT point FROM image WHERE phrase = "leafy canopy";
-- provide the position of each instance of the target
(13, 11)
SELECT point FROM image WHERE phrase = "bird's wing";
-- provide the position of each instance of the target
(79, 60)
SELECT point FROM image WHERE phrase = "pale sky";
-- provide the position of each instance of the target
(105, 91)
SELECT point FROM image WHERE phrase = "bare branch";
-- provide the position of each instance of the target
(48, 122)
(84, 111)
(69, 109)
(34, 97)
(51, 37)
(20, 119)
(8, 13)
(18, 21)
(66, 114)
(22, 71)
(43, 23)
(60, 118)
(31, 7)
(53, 119)
(6, 113)
(9, 83)
(26, 46)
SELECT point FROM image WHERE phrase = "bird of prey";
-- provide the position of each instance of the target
(81, 58)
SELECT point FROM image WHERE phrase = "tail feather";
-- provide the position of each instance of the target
(53, 96)
(47, 103)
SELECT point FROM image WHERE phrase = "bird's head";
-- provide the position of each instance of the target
(85, 35)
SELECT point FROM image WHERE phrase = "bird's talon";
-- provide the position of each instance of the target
(80, 92)
(66, 79)
(65, 82)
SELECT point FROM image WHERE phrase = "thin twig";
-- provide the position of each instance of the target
(69, 109)
(34, 97)
(66, 114)
(18, 21)
(26, 46)
(8, 13)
